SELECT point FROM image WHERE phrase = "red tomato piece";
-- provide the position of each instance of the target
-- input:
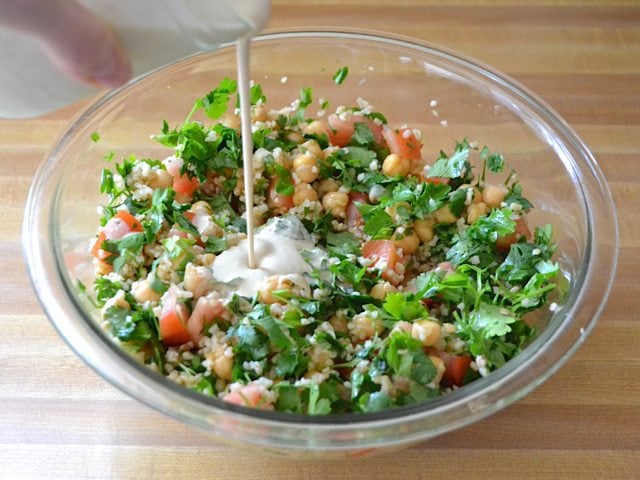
(384, 255)
(354, 218)
(131, 221)
(403, 142)
(341, 131)
(503, 244)
(183, 184)
(455, 367)
(118, 226)
(277, 202)
(95, 251)
(173, 320)
(249, 395)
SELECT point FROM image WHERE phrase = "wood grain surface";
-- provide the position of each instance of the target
(60, 420)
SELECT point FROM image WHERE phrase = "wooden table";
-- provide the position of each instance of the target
(58, 419)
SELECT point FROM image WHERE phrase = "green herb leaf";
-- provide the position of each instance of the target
(215, 245)
(340, 75)
(317, 405)
(306, 97)
(216, 101)
(404, 306)
(456, 166)
(377, 223)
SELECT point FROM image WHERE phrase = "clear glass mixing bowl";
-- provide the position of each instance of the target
(400, 77)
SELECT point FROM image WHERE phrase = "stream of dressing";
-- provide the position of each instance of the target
(275, 249)
(242, 54)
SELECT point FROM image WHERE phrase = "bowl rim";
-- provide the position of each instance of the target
(457, 399)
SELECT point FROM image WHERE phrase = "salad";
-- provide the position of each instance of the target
(416, 274)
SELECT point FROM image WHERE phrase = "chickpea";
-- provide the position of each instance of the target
(266, 295)
(336, 203)
(201, 206)
(477, 194)
(427, 331)
(339, 324)
(259, 113)
(198, 280)
(305, 167)
(409, 243)
(327, 185)
(424, 229)
(494, 195)
(230, 120)
(206, 259)
(381, 290)
(395, 165)
(282, 158)
(312, 148)
(278, 282)
(295, 137)
(363, 327)
(304, 192)
(143, 292)
(476, 211)
(315, 127)
(160, 178)
(440, 367)
(444, 215)
(221, 363)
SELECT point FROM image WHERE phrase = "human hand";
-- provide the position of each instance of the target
(79, 43)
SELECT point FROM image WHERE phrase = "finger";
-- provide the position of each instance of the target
(77, 42)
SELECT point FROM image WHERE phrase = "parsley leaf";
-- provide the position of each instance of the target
(317, 405)
(377, 223)
(306, 97)
(404, 306)
(456, 166)
(362, 134)
(341, 75)
(216, 101)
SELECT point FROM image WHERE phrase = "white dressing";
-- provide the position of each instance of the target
(278, 247)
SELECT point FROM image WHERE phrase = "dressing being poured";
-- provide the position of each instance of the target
(242, 53)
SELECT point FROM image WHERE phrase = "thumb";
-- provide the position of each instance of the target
(78, 42)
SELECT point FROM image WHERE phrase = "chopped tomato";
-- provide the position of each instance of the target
(118, 226)
(183, 184)
(95, 251)
(206, 310)
(354, 218)
(341, 131)
(250, 395)
(455, 367)
(279, 203)
(503, 244)
(173, 320)
(131, 221)
(384, 255)
(403, 142)
(437, 180)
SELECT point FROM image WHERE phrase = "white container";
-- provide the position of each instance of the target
(153, 33)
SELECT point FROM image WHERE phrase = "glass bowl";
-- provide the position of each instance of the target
(447, 96)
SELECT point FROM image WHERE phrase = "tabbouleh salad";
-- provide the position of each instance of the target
(425, 273)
